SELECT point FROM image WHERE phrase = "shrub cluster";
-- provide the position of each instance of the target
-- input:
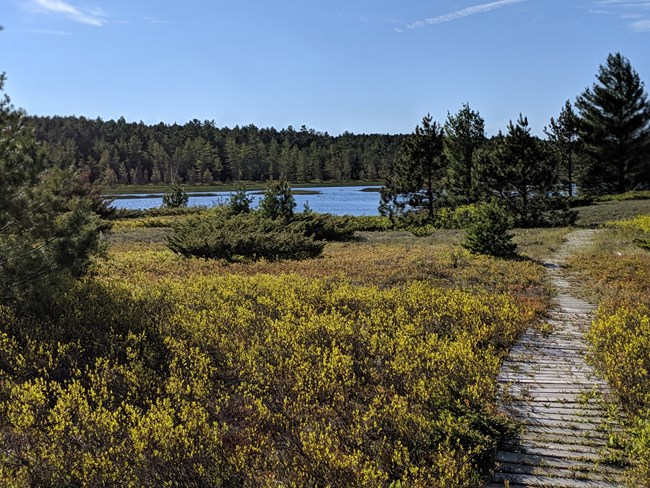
(260, 381)
(242, 237)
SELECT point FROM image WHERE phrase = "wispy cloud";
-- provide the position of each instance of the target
(641, 25)
(459, 14)
(637, 12)
(95, 17)
(154, 20)
(47, 32)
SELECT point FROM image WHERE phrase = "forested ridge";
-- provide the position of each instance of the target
(120, 152)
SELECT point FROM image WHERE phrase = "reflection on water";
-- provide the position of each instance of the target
(337, 200)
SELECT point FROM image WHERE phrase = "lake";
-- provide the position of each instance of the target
(337, 200)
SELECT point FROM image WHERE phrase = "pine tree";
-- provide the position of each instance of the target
(48, 229)
(614, 126)
(517, 170)
(464, 134)
(416, 180)
(564, 136)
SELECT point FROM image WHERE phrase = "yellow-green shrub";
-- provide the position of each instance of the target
(257, 381)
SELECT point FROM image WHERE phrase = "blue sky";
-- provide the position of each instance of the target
(365, 66)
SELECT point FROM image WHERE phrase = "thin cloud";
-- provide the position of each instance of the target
(93, 17)
(637, 13)
(154, 20)
(641, 25)
(459, 14)
(47, 32)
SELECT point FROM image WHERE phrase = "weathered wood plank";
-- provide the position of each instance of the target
(547, 386)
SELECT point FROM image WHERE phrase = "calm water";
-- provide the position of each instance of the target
(337, 200)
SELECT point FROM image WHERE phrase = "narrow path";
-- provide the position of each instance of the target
(547, 386)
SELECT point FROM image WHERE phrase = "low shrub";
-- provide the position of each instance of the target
(243, 237)
(129, 213)
(489, 233)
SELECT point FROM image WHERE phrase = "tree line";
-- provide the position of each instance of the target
(598, 145)
(118, 152)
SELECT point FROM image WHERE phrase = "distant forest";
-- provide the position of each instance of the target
(123, 153)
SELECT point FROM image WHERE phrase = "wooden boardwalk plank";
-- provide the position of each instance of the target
(556, 397)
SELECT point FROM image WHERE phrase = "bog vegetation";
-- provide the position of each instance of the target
(269, 347)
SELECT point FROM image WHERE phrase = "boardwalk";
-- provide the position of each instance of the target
(548, 387)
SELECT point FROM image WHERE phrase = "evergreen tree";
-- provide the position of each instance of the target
(416, 180)
(175, 197)
(464, 134)
(48, 229)
(564, 137)
(517, 170)
(614, 126)
(278, 201)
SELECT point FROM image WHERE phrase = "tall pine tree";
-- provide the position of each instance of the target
(417, 178)
(564, 138)
(464, 134)
(517, 171)
(614, 126)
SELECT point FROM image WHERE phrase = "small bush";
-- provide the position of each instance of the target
(240, 202)
(489, 233)
(175, 198)
(243, 237)
(278, 201)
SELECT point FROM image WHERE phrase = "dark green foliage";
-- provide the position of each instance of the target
(240, 202)
(416, 181)
(175, 198)
(615, 129)
(48, 225)
(565, 143)
(242, 237)
(199, 152)
(464, 134)
(327, 227)
(490, 232)
(519, 172)
(643, 242)
(278, 202)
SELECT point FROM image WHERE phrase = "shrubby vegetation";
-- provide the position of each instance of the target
(218, 235)
(490, 232)
(256, 381)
